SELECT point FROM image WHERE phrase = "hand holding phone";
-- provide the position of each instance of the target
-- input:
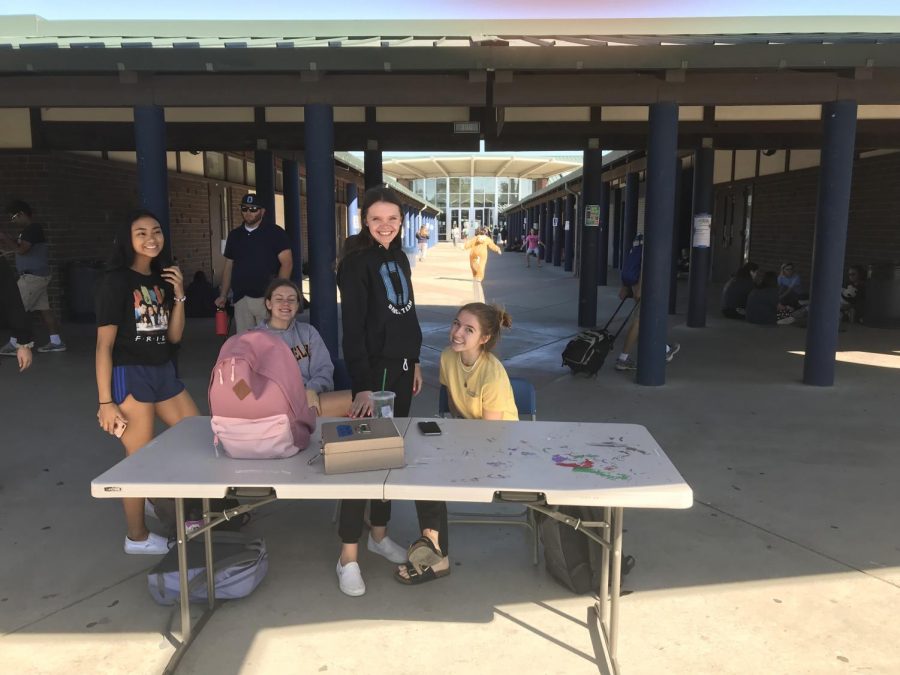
(119, 427)
(430, 428)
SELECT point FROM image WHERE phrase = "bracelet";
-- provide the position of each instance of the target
(181, 299)
(25, 345)
(104, 402)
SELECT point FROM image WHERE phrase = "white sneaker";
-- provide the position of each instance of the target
(350, 579)
(387, 548)
(152, 545)
(8, 350)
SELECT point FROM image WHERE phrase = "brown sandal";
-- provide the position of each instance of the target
(423, 553)
(415, 577)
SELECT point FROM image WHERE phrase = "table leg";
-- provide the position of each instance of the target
(616, 583)
(208, 555)
(181, 539)
(607, 606)
(603, 592)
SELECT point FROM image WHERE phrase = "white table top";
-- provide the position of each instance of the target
(182, 462)
(570, 462)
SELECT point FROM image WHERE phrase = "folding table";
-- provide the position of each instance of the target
(537, 464)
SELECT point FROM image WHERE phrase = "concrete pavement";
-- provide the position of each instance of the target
(789, 561)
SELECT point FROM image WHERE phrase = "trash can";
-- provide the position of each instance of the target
(883, 295)
(81, 279)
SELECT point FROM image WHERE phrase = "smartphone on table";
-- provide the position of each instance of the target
(430, 428)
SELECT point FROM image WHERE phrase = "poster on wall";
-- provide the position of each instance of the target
(592, 215)
(702, 227)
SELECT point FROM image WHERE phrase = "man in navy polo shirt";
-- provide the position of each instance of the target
(254, 255)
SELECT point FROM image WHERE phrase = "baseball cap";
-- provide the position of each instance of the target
(251, 199)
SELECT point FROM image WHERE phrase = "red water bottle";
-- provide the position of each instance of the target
(221, 322)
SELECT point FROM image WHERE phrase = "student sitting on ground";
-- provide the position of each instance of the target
(734, 295)
(282, 300)
(853, 301)
(478, 388)
(762, 301)
(853, 295)
(790, 292)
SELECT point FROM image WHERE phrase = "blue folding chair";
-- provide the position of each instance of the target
(526, 403)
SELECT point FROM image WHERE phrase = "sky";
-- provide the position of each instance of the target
(425, 9)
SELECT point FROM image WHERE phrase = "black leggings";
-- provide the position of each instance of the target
(433, 516)
(399, 381)
(353, 511)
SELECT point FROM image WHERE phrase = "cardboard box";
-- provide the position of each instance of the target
(361, 445)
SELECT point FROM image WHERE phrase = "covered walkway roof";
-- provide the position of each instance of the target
(745, 82)
(509, 166)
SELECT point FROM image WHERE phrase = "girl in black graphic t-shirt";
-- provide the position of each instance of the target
(140, 315)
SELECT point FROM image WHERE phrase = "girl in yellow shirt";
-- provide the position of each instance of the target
(478, 388)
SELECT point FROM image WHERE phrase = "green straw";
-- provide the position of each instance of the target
(384, 379)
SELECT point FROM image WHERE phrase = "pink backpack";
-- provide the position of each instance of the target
(257, 399)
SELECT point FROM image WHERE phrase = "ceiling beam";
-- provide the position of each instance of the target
(428, 59)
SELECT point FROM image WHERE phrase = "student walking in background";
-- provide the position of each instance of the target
(422, 242)
(478, 253)
(533, 245)
(33, 267)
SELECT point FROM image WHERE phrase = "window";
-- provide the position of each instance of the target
(235, 169)
(214, 165)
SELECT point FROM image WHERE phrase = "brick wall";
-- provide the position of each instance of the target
(784, 215)
(79, 200)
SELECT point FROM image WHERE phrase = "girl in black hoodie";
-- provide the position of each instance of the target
(381, 335)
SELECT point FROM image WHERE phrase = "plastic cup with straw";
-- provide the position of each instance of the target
(383, 401)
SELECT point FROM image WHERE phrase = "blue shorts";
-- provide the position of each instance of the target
(147, 384)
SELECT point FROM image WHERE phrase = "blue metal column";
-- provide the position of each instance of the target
(569, 225)
(676, 228)
(318, 131)
(265, 183)
(603, 236)
(630, 226)
(590, 230)
(701, 213)
(352, 208)
(832, 208)
(291, 174)
(407, 228)
(658, 230)
(547, 220)
(557, 232)
(373, 169)
(153, 177)
(617, 231)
